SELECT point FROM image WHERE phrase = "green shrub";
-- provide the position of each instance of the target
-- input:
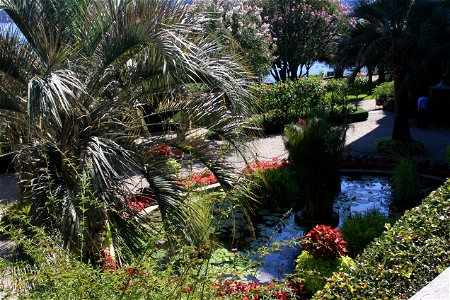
(397, 149)
(407, 256)
(275, 187)
(315, 151)
(352, 115)
(383, 91)
(406, 183)
(360, 229)
(313, 272)
(293, 98)
(274, 121)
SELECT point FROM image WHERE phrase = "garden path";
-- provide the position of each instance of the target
(361, 138)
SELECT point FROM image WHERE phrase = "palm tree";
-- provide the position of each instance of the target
(397, 35)
(73, 84)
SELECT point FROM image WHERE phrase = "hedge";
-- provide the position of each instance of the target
(405, 258)
(359, 115)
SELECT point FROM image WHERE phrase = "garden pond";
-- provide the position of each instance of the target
(277, 235)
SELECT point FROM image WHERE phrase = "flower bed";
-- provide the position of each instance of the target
(272, 164)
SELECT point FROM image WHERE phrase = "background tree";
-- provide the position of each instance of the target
(71, 91)
(399, 35)
(238, 25)
(303, 31)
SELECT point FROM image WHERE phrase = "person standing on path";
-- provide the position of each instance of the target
(422, 112)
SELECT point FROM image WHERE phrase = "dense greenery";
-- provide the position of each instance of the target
(76, 90)
(360, 229)
(315, 151)
(323, 254)
(407, 256)
(285, 102)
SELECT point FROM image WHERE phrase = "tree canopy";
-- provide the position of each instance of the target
(303, 31)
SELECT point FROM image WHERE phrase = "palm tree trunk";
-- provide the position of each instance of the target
(401, 130)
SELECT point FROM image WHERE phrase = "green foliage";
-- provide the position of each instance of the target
(293, 98)
(315, 151)
(448, 154)
(359, 86)
(74, 108)
(285, 102)
(314, 272)
(275, 187)
(352, 115)
(360, 229)
(395, 149)
(384, 90)
(407, 256)
(406, 182)
(273, 121)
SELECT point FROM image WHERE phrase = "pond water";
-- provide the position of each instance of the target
(357, 195)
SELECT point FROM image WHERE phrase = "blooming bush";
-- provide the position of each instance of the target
(241, 20)
(303, 32)
(325, 243)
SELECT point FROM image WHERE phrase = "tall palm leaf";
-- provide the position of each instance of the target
(90, 67)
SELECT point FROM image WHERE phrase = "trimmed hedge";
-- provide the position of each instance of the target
(359, 115)
(405, 258)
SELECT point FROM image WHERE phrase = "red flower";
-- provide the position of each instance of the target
(301, 122)
(139, 202)
(165, 150)
(324, 242)
(110, 263)
(200, 179)
(273, 164)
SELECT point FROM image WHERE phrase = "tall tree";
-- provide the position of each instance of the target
(239, 26)
(72, 84)
(304, 31)
(397, 35)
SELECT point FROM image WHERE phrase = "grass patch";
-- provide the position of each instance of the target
(359, 97)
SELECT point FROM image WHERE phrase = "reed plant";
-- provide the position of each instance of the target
(315, 151)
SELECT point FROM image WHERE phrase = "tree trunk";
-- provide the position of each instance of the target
(293, 68)
(381, 74)
(369, 81)
(338, 72)
(401, 130)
